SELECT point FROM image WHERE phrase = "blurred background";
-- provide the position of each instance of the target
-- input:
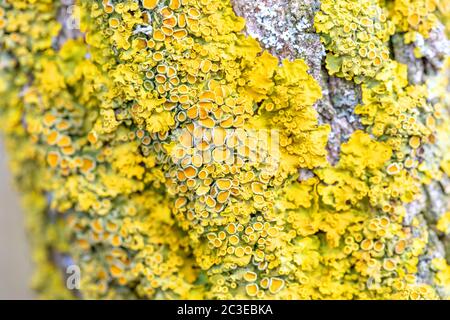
(15, 262)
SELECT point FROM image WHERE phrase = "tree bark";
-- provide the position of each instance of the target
(286, 29)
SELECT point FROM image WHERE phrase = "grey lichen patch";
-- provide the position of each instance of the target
(434, 250)
(437, 194)
(434, 49)
(67, 17)
(344, 94)
(430, 207)
(437, 201)
(414, 208)
(436, 246)
(285, 28)
(425, 57)
(336, 108)
(404, 53)
(304, 174)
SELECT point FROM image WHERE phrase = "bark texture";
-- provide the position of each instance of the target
(286, 29)
(99, 112)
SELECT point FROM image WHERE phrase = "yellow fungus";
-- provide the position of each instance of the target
(393, 169)
(182, 20)
(251, 289)
(239, 252)
(231, 228)
(109, 9)
(193, 12)
(414, 142)
(53, 138)
(389, 264)
(149, 4)
(250, 276)
(174, 4)
(400, 247)
(210, 202)
(223, 184)
(378, 246)
(49, 119)
(190, 172)
(87, 165)
(53, 159)
(115, 271)
(272, 231)
(413, 19)
(366, 244)
(276, 284)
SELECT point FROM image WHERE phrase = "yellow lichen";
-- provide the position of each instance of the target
(355, 33)
(411, 16)
(173, 147)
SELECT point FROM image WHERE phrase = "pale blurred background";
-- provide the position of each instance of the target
(15, 264)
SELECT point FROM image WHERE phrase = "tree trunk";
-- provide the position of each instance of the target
(352, 220)
(286, 29)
